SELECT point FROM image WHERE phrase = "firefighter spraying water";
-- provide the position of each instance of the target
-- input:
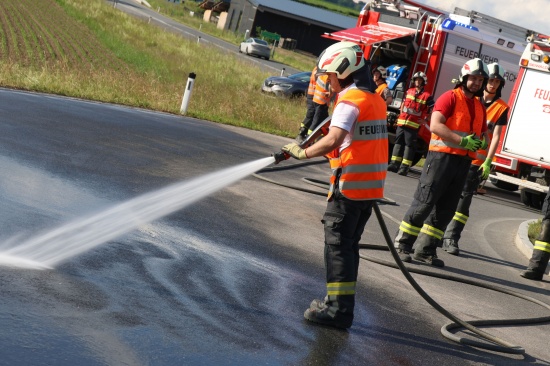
(357, 148)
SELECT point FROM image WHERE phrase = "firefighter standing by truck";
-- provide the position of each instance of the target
(541, 250)
(379, 76)
(497, 116)
(357, 148)
(416, 110)
(318, 98)
(457, 123)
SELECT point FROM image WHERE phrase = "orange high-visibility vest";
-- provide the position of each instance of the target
(360, 169)
(462, 124)
(380, 89)
(414, 108)
(322, 94)
(494, 112)
(311, 87)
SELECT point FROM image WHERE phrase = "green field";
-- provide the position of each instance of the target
(88, 49)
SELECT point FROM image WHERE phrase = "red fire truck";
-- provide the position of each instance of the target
(407, 37)
(523, 155)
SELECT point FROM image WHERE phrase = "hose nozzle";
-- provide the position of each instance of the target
(280, 156)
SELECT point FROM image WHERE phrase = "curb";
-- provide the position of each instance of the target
(523, 243)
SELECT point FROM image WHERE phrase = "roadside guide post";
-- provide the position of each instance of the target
(187, 93)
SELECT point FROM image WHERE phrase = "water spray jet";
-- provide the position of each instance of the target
(48, 249)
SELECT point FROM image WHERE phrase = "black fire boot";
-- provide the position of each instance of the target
(408, 158)
(430, 259)
(396, 158)
(332, 311)
(451, 246)
(537, 265)
(404, 170)
(404, 255)
(541, 255)
(317, 304)
(302, 133)
(393, 166)
(403, 242)
(425, 250)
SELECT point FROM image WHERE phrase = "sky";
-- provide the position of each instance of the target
(530, 14)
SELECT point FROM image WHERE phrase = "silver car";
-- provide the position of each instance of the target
(257, 47)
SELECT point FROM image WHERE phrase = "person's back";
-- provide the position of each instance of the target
(367, 144)
(357, 147)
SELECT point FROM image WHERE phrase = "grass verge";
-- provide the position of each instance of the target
(533, 230)
(88, 49)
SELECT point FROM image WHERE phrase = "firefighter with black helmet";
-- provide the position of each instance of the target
(357, 148)
(415, 111)
(497, 116)
(458, 125)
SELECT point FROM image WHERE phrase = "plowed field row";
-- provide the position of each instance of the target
(38, 32)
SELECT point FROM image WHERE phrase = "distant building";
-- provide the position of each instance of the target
(300, 26)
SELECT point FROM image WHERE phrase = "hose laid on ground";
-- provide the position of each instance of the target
(498, 345)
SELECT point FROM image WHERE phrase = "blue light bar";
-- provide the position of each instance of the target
(449, 24)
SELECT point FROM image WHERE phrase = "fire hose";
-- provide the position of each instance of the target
(494, 343)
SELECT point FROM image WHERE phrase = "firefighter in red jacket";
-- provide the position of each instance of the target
(357, 148)
(318, 98)
(497, 116)
(415, 111)
(458, 121)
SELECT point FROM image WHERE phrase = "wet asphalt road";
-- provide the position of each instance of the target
(226, 280)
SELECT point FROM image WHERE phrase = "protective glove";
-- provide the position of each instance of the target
(486, 169)
(470, 142)
(484, 144)
(295, 151)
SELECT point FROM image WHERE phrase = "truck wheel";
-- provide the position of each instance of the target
(537, 199)
(531, 199)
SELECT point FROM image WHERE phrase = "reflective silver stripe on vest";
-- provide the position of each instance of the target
(370, 130)
(442, 143)
(321, 83)
(369, 184)
(365, 168)
(405, 122)
(480, 156)
(412, 111)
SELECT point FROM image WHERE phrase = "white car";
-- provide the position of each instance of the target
(256, 46)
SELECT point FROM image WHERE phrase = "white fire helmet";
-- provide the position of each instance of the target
(343, 58)
(382, 71)
(474, 67)
(420, 74)
(496, 72)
